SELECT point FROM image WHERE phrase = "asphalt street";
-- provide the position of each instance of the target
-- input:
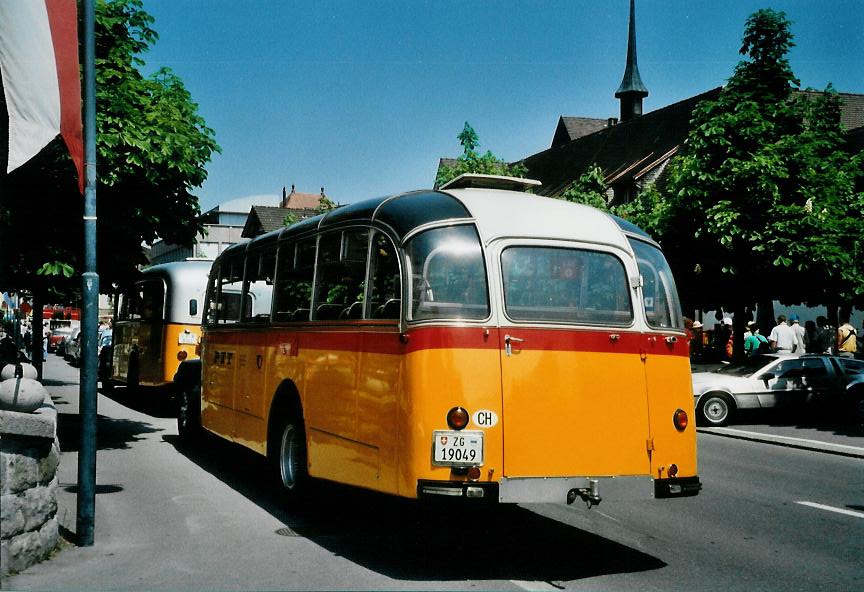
(169, 517)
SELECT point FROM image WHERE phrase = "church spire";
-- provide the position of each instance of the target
(632, 90)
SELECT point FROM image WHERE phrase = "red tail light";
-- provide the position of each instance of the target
(182, 355)
(680, 420)
(457, 418)
(673, 470)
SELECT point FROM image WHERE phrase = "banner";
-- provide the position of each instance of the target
(41, 80)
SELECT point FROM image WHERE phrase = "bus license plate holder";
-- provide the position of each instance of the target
(451, 448)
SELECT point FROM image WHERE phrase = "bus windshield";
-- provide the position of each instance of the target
(448, 275)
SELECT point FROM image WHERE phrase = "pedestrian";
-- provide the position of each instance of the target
(728, 347)
(800, 344)
(811, 338)
(846, 339)
(824, 336)
(782, 337)
(755, 342)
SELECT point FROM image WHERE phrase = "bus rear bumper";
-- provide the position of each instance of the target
(677, 487)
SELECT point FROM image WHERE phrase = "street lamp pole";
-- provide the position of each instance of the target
(90, 315)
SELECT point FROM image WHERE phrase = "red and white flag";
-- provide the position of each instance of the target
(41, 81)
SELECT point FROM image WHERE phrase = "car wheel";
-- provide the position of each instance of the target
(290, 458)
(715, 409)
(857, 397)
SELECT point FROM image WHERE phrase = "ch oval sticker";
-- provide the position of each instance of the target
(485, 418)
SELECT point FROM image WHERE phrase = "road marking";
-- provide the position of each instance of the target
(803, 443)
(535, 586)
(833, 509)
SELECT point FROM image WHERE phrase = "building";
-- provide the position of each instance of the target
(263, 219)
(634, 149)
(238, 220)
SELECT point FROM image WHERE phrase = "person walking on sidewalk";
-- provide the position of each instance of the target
(800, 333)
(782, 337)
(846, 339)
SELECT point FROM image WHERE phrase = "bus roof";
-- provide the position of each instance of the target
(498, 213)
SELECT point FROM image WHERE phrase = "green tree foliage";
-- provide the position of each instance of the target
(472, 162)
(152, 148)
(761, 201)
(589, 189)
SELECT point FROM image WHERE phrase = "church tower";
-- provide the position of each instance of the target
(632, 91)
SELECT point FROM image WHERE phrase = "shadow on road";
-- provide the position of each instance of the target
(417, 541)
(830, 419)
(152, 401)
(111, 434)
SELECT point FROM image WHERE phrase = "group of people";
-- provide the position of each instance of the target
(788, 336)
(817, 338)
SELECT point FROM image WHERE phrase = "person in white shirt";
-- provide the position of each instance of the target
(782, 337)
(799, 335)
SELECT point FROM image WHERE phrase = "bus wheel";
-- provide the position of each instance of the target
(189, 414)
(291, 458)
(715, 409)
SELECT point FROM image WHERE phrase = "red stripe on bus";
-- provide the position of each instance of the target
(389, 341)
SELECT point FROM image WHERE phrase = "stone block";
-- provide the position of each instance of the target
(40, 505)
(12, 519)
(22, 551)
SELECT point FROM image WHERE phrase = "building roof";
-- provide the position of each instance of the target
(570, 128)
(628, 150)
(623, 151)
(302, 201)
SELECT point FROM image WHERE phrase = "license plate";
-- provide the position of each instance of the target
(452, 448)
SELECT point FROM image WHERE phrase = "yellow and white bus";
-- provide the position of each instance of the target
(469, 342)
(157, 323)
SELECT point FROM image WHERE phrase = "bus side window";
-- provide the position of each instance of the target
(384, 286)
(230, 288)
(293, 289)
(258, 288)
(339, 284)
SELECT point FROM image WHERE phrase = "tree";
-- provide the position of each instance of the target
(761, 195)
(472, 162)
(589, 189)
(152, 147)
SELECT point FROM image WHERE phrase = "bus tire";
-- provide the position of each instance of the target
(291, 472)
(715, 409)
(189, 414)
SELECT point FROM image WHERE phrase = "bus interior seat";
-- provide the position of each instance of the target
(388, 310)
(355, 311)
(328, 312)
(301, 314)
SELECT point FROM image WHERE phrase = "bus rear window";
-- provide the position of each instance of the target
(559, 285)
(448, 275)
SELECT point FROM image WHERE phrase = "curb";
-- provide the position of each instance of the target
(789, 442)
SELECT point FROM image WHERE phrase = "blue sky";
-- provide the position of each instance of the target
(364, 97)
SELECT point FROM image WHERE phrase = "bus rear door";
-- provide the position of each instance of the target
(574, 399)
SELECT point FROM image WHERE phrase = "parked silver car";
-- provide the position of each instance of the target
(776, 380)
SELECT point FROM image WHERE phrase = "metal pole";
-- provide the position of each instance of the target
(90, 317)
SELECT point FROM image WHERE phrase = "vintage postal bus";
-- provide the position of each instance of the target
(157, 323)
(470, 342)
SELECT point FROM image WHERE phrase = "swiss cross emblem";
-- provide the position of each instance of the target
(443, 440)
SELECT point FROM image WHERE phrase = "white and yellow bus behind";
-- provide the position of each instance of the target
(468, 342)
(157, 323)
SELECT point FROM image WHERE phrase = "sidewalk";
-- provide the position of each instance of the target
(832, 437)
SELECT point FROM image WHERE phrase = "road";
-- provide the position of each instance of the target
(169, 517)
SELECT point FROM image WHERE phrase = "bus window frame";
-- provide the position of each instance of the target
(408, 274)
(627, 261)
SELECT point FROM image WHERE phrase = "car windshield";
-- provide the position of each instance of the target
(747, 367)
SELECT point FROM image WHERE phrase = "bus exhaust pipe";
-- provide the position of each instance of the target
(590, 495)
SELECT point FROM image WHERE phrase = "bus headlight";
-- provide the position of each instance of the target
(457, 418)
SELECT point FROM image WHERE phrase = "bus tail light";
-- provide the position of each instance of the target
(673, 470)
(474, 473)
(680, 420)
(457, 418)
(182, 355)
